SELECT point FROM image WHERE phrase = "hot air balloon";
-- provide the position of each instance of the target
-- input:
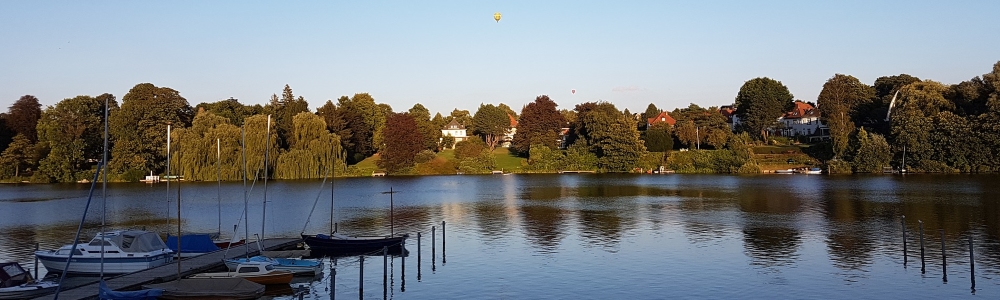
(496, 16)
(573, 91)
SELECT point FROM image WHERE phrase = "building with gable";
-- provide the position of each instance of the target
(455, 130)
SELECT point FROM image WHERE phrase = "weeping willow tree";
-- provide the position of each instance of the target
(312, 150)
(212, 147)
(256, 129)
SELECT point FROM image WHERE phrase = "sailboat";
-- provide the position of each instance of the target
(337, 244)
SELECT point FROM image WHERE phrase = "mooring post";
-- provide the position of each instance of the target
(36, 262)
(944, 259)
(905, 256)
(385, 270)
(433, 243)
(922, 264)
(333, 279)
(444, 258)
(361, 281)
(402, 268)
(418, 256)
(335, 227)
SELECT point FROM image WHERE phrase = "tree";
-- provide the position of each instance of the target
(6, 134)
(872, 114)
(140, 129)
(507, 109)
(17, 157)
(403, 141)
(73, 130)
(759, 104)
(658, 138)
(312, 151)
(612, 137)
(285, 110)
(463, 117)
(539, 125)
(22, 117)
(430, 131)
(913, 122)
(366, 120)
(208, 150)
(651, 111)
(232, 110)
(491, 123)
(838, 102)
(873, 153)
(335, 121)
(697, 126)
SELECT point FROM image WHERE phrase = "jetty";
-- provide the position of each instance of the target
(168, 272)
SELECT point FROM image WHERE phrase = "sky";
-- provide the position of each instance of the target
(452, 54)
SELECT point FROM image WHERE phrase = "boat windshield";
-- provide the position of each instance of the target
(269, 267)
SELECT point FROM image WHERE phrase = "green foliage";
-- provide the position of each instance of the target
(447, 142)
(22, 117)
(469, 148)
(651, 161)
(613, 138)
(424, 156)
(231, 109)
(838, 166)
(403, 141)
(140, 127)
(544, 159)
(481, 163)
(658, 138)
(760, 102)
(285, 109)
(17, 157)
(491, 123)
(209, 150)
(840, 98)
(313, 150)
(579, 158)
(430, 131)
(540, 124)
(701, 125)
(873, 153)
(73, 130)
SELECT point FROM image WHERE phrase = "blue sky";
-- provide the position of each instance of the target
(448, 55)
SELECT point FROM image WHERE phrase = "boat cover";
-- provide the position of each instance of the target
(107, 293)
(210, 288)
(11, 274)
(138, 241)
(193, 243)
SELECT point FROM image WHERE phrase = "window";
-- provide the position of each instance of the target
(249, 270)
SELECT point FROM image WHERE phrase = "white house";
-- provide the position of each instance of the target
(455, 130)
(803, 120)
(509, 136)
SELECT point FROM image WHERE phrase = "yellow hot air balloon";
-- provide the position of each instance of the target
(496, 16)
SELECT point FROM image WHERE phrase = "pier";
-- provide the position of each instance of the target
(168, 272)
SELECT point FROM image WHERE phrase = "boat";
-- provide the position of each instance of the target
(125, 251)
(192, 244)
(17, 283)
(106, 293)
(256, 271)
(214, 288)
(296, 266)
(813, 171)
(336, 244)
(786, 171)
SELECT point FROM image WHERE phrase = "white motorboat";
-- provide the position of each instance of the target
(296, 266)
(124, 252)
(256, 271)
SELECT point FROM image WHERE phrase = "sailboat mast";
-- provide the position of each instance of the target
(246, 229)
(104, 183)
(267, 148)
(179, 250)
(218, 177)
(167, 177)
(334, 169)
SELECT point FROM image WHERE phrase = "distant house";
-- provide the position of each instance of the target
(802, 120)
(663, 117)
(729, 112)
(563, 137)
(455, 130)
(509, 136)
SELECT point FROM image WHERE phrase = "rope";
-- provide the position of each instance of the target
(315, 201)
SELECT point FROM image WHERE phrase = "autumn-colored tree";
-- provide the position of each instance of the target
(540, 125)
(403, 141)
(759, 104)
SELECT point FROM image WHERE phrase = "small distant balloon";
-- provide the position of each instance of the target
(496, 16)
(573, 91)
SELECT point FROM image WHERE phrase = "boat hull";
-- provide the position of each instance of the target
(275, 277)
(354, 246)
(297, 267)
(92, 265)
(27, 290)
(209, 289)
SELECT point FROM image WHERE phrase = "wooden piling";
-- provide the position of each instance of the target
(444, 258)
(923, 266)
(385, 271)
(402, 270)
(361, 280)
(944, 259)
(36, 262)
(418, 256)
(972, 265)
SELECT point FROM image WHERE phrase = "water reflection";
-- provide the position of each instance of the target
(544, 226)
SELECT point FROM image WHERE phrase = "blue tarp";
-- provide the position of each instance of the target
(192, 243)
(109, 294)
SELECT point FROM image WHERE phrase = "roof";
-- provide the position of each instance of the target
(513, 121)
(454, 125)
(802, 110)
(661, 118)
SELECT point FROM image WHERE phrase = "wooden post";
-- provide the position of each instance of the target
(905, 256)
(361, 281)
(36, 261)
(972, 265)
(385, 271)
(944, 259)
(418, 256)
(333, 279)
(444, 258)
(402, 268)
(922, 264)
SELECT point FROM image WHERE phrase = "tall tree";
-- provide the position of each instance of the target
(651, 111)
(232, 110)
(838, 102)
(313, 150)
(540, 124)
(913, 122)
(873, 153)
(759, 104)
(208, 150)
(22, 117)
(658, 138)
(336, 121)
(6, 134)
(507, 109)
(612, 137)
(872, 114)
(140, 129)
(491, 123)
(430, 131)
(18, 156)
(698, 126)
(403, 141)
(73, 130)
(285, 110)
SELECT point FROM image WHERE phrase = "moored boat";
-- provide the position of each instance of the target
(16, 283)
(343, 245)
(296, 266)
(209, 288)
(125, 251)
(259, 272)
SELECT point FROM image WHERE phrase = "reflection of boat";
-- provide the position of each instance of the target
(16, 283)
(259, 272)
(215, 288)
(124, 252)
(296, 266)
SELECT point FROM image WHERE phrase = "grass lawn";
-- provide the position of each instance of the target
(506, 161)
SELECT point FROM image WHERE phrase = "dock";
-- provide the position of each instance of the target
(168, 272)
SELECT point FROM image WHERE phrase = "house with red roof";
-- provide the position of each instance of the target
(663, 117)
(509, 136)
(802, 120)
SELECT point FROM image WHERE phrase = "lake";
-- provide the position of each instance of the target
(583, 236)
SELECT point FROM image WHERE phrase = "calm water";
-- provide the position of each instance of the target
(587, 236)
